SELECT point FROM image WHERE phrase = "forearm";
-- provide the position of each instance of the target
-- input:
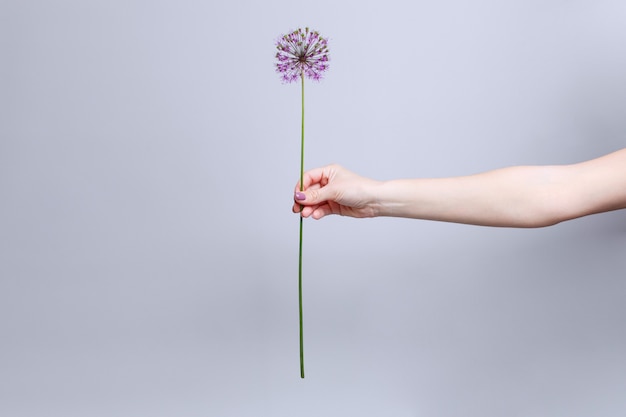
(513, 197)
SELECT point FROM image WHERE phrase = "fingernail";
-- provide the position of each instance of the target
(300, 196)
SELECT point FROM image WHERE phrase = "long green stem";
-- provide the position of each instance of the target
(300, 251)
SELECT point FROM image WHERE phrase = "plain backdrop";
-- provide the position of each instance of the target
(148, 253)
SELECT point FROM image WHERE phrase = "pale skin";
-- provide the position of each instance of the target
(519, 196)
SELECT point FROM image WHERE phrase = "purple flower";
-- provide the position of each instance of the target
(301, 53)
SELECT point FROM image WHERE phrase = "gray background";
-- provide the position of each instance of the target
(148, 254)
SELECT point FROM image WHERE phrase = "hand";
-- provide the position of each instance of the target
(335, 190)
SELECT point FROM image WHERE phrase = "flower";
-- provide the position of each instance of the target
(301, 53)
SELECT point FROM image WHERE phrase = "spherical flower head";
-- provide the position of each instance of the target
(301, 53)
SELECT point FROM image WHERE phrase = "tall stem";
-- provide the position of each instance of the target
(300, 251)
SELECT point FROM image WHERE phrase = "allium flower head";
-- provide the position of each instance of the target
(301, 53)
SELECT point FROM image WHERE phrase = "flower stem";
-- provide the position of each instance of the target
(300, 250)
(300, 305)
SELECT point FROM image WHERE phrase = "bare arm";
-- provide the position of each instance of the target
(524, 196)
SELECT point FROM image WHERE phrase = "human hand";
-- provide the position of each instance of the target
(335, 190)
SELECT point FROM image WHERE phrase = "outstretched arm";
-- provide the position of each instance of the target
(523, 196)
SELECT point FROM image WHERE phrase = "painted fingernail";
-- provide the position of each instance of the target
(300, 196)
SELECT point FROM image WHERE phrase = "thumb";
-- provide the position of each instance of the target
(315, 196)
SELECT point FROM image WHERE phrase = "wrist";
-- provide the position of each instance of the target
(384, 203)
(394, 198)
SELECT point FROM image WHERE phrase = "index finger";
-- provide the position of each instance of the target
(317, 176)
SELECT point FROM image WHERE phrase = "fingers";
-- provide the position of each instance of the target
(316, 187)
(305, 211)
(304, 198)
(314, 198)
(317, 177)
(314, 176)
(322, 211)
(316, 211)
